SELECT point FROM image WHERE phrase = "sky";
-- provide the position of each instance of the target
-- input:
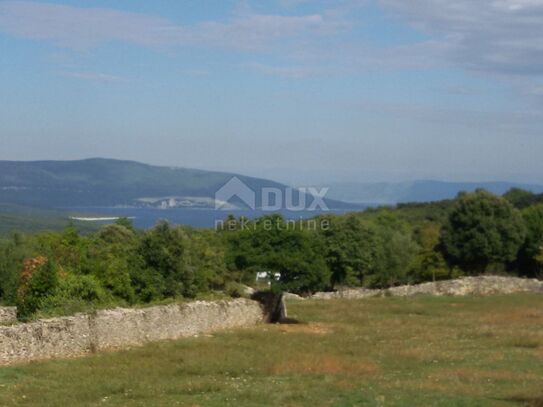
(295, 90)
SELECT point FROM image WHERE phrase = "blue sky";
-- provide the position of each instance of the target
(299, 91)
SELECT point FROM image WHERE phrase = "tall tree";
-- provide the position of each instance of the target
(482, 229)
(531, 253)
(351, 247)
(163, 250)
(272, 245)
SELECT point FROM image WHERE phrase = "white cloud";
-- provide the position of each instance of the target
(86, 28)
(81, 28)
(498, 36)
(259, 32)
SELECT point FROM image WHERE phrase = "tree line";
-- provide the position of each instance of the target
(477, 233)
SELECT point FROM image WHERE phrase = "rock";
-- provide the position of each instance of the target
(292, 297)
(8, 315)
(120, 328)
(481, 285)
(351, 293)
(248, 291)
(273, 304)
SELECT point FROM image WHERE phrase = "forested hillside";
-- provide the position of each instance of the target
(476, 233)
(29, 220)
(105, 182)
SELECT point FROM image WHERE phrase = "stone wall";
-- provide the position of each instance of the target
(8, 315)
(483, 285)
(120, 328)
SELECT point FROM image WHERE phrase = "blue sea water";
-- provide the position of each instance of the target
(199, 218)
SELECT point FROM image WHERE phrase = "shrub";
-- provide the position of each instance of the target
(235, 290)
(75, 293)
(430, 265)
(39, 280)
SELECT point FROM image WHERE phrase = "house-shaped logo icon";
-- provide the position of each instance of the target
(234, 188)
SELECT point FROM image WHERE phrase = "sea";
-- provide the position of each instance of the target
(145, 218)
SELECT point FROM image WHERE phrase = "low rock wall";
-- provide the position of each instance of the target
(121, 328)
(8, 315)
(482, 285)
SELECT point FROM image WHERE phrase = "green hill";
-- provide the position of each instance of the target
(27, 219)
(105, 182)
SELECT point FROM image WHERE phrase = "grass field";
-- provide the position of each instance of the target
(376, 352)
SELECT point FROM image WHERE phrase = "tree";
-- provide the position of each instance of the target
(163, 250)
(270, 244)
(393, 251)
(351, 247)
(205, 256)
(395, 258)
(39, 280)
(520, 198)
(539, 259)
(12, 254)
(117, 234)
(532, 249)
(482, 229)
(125, 222)
(429, 263)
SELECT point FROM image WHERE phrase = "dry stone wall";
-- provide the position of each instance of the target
(120, 328)
(483, 285)
(8, 315)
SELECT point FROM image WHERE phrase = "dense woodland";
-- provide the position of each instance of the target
(63, 272)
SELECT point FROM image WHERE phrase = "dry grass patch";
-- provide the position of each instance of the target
(311, 328)
(472, 375)
(528, 401)
(513, 317)
(427, 354)
(324, 365)
(525, 342)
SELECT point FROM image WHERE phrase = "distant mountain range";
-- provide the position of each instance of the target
(389, 193)
(114, 183)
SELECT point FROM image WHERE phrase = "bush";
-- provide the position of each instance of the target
(235, 290)
(12, 254)
(75, 293)
(430, 266)
(39, 280)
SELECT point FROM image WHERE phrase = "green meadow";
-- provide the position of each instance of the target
(421, 351)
